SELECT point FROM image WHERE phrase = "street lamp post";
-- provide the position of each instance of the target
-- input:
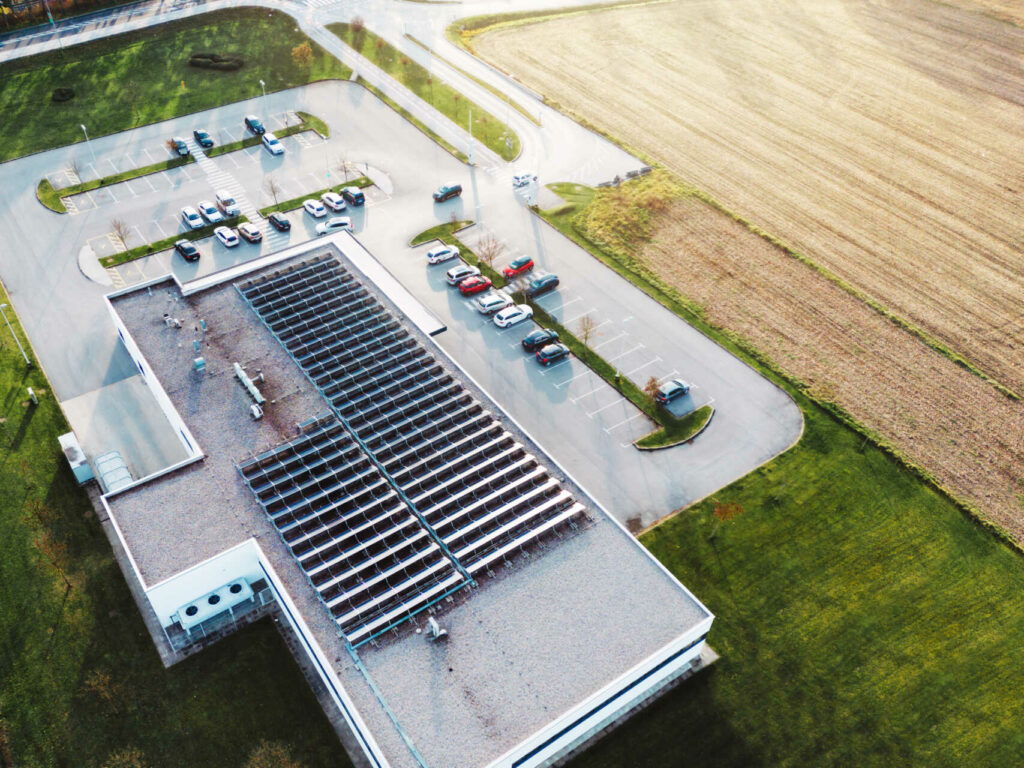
(263, 86)
(16, 340)
(90, 145)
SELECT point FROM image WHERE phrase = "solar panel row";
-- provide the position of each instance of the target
(409, 487)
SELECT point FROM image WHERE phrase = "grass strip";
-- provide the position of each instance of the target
(446, 234)
(296, 202)
(168, 242)
(561, 218)
(451, 150)
(677, 431)
(252, 141)
(80, 683)
(134, 78)
(117, 178)
(314, 123)
(486, 128)
(482, 83)
(48, 196)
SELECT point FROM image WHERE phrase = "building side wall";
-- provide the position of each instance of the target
(185, 436)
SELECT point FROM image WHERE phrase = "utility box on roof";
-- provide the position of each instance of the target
(76, 458)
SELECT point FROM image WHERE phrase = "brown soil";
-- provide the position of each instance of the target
(881, 139)
(943, 417)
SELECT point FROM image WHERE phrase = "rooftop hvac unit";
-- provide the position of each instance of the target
(248, 384)
(256, 411)
(213, 603)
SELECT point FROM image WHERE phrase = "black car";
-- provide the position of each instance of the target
(446, 192)
(552, 353)
(255, 125)
(279, 222)
(188, 251)
(539, 338)
(353, 195)
(203, 138)
(541, 285)
(180, 146)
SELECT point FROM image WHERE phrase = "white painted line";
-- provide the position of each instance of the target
(603, 322)
(598, 388)
(550, 368)
(163, 232)
(110, 191)
(584, 372)
(607, 430)
(555, 295)
(129, 187)
(581, 314)
(606, 407)
(627, 319)
(609, 341)
(627, 352)
(139, 233)
(148, 156)
(649, 362)
(112, 164)
(152, 187)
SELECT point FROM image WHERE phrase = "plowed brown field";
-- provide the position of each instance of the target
(881, 139)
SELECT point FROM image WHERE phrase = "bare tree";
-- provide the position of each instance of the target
(358, 25)
(651, 387)
(272, 187)
(489, 248)
(344, 167)
(75, 166)
(587, 325)
(121, 231)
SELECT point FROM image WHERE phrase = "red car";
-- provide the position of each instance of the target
(518, 267)
(474, 284)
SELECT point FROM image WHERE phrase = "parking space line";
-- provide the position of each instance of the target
(609, 341)
(581, 314)
(596, 389)
(627, 352)
(578, 375)
(607, 430)
(590, 415)
(566, 304)
(138, 232)
(163, 232)
(149, 157)
(110, 191)
(130, 188)
(550, 368)
(638, 368)
(152, 187)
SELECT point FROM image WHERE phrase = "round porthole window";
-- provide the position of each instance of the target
(236, 588)
(213, 599)
(191, 610)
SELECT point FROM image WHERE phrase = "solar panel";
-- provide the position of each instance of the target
(410, 487)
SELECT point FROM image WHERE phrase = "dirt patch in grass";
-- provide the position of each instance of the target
(881, 140)
(939, 415)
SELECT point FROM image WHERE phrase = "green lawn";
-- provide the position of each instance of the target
(863, 620)
(486, 127)
(296, 202)
(135, 78)
(79, 677)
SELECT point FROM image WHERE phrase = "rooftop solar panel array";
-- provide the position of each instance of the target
(409, 488)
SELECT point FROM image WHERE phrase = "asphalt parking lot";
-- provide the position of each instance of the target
(581, 420)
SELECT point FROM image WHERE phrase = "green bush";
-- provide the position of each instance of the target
(229, 63)
(62, 94)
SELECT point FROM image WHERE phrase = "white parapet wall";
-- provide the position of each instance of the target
(185, 436)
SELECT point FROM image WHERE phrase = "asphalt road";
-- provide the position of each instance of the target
(49, 263)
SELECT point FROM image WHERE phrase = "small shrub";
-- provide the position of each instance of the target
(216, 61)
(62, 94)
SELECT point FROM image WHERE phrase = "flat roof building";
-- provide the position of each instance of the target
(462, 599)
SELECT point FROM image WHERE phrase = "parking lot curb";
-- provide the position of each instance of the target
(690, 439)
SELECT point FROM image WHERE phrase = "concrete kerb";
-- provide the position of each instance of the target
(688, 440)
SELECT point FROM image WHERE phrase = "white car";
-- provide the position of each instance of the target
(442, 253)
(272, 145)
(192, 218)
(523, 179)
(334, 224)
(512, 315)
(209, 212)
(456, 275)
(227, 236)
(315, 208)
(492, 301)
(334, 201)
(226, 202)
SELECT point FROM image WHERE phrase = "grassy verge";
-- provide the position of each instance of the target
(252, 141)
(457, 154)
(135, 78)
(449, 102)
(859, 602)
(48, 196)
(106, 181)
(168, 242)
(80, 682)
(296, 202)
(314, 123)
(677, 431)
(482, 83)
